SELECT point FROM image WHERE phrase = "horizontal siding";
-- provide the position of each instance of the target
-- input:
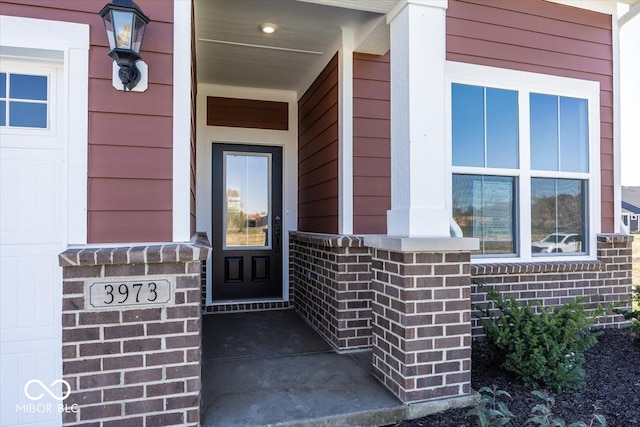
(129, 194)
(247, 113)
(542, 37)
(318, 153)
(130, 226)
(371, 143)
(130, 134)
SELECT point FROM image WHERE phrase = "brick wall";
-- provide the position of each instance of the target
(421, 323)
(607, 280)
(139, 364)
(332, 276)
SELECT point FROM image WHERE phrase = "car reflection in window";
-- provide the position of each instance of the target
(558, 242)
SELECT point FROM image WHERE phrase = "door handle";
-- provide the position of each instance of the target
(276, 232)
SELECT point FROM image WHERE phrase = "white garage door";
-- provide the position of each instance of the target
(32, 233)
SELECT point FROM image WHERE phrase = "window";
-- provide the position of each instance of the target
(24, 100)
(524, 163)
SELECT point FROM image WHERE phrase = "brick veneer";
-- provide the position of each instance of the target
(332, 276)
(415, 308)
(421, 323)
(603, 281)
(137, 365)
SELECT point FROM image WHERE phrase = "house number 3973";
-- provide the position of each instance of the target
(151, 293)
(127, 293)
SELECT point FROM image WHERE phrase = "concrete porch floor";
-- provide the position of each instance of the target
(270, 368)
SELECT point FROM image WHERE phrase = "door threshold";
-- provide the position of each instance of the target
(246, 301)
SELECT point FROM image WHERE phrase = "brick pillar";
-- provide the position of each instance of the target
(421, 322)
(132, 334)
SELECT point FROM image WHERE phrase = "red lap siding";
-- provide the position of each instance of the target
(371, 143)
(318, 153)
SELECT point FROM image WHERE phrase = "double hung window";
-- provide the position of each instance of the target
(525, 162)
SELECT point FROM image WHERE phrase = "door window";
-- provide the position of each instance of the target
(247, 180)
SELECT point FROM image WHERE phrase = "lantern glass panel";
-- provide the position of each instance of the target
(123, 28)
(108, 26)
(138, 34)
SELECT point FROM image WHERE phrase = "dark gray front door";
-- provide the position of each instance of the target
(247, 222)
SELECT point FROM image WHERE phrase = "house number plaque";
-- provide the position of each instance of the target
(122, 293)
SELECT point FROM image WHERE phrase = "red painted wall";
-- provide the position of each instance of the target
(542, 37)
(130, 134)
(318, 153)
(371, 143)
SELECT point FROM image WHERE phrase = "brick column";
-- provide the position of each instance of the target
(133, 362)
(421, 323)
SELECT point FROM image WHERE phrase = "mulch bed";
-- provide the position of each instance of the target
(612, 383)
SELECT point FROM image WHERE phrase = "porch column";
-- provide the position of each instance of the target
(419, 155)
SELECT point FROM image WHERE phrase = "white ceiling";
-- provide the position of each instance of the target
(231, 49)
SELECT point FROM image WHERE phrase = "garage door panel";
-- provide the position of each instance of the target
(30, 292)
(17, 369)
(30, 210)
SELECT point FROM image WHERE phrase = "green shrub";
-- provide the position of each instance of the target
(545, 349)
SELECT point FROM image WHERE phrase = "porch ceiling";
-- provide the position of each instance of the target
(231, 50)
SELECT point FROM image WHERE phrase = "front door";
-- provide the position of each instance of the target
(247, 222)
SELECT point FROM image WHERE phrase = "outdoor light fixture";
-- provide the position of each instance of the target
(125, 23)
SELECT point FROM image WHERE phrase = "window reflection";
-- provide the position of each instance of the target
(483, 207)
(557, 216)
(484, 126)
(247, 200)
(559, 133)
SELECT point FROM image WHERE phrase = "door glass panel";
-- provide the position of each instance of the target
(247, 180)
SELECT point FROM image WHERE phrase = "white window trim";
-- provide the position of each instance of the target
(38, 38)
(525, 82)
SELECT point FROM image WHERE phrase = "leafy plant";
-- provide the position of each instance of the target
(490, 410)
(545, 349)
(542, 414)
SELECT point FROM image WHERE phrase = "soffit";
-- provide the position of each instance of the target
(231, 50)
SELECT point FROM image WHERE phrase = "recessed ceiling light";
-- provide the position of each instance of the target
(268, 28)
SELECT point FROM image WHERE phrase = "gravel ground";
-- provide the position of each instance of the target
(612, 383)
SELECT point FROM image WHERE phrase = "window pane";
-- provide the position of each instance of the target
(502, 128)
(467, 121)
(28, 87)
(3, 113)
(557, 215)
(247, 201)
(544, 132)
(484, 207)
(27, 114)
(3, 85)
(574, 141)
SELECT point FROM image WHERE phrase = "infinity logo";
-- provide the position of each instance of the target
(47, 389)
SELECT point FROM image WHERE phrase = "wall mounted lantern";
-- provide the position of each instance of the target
(125, 24)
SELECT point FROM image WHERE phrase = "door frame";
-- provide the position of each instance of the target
(287, 139)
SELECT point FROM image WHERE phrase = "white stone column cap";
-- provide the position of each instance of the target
(422, 244)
